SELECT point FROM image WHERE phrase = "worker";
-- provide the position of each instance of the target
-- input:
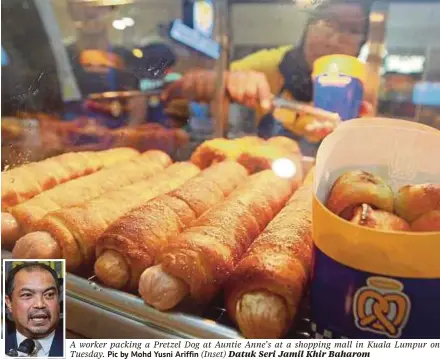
(336, 27)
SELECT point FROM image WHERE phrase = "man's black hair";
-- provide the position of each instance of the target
(10, 280)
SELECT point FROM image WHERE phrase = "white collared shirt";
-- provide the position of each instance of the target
(45, 343)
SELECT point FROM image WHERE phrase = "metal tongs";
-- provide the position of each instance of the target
(320, 114)
(278, 102)
(114, 95)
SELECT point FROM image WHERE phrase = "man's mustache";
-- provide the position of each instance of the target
(39, 314)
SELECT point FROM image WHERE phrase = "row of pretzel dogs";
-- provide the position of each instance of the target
(223, 221)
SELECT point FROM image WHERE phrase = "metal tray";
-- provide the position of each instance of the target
(97, 312)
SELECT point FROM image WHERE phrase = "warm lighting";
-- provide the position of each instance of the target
(308, 4)
(137, 53)
(370, 47)
(377, 17)
(128, 21)
(119, 25)
(283, 167)
(405, 64)
(106, 2)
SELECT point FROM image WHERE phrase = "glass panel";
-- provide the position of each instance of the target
(411, 76)
(77, 73)
(282, 39)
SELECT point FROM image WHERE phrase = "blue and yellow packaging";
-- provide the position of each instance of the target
(339, 84)
(370, 284)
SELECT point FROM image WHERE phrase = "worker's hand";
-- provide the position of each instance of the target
(248, 88)
(197, 85)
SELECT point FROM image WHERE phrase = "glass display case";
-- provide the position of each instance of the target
(89, 75)
(187, 81)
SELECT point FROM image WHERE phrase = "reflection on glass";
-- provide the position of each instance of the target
(410, 69)
(84, 66)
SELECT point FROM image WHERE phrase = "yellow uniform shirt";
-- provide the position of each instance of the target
(267, 62)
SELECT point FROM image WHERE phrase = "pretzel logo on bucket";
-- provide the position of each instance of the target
(381, 307)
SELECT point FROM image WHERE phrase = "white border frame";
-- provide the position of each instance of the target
(4, 261)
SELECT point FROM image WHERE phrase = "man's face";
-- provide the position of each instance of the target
(340, 30)
(34, 303)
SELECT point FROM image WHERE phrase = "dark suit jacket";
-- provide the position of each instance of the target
(56, 350)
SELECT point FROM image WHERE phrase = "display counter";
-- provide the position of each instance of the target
(94, 311)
